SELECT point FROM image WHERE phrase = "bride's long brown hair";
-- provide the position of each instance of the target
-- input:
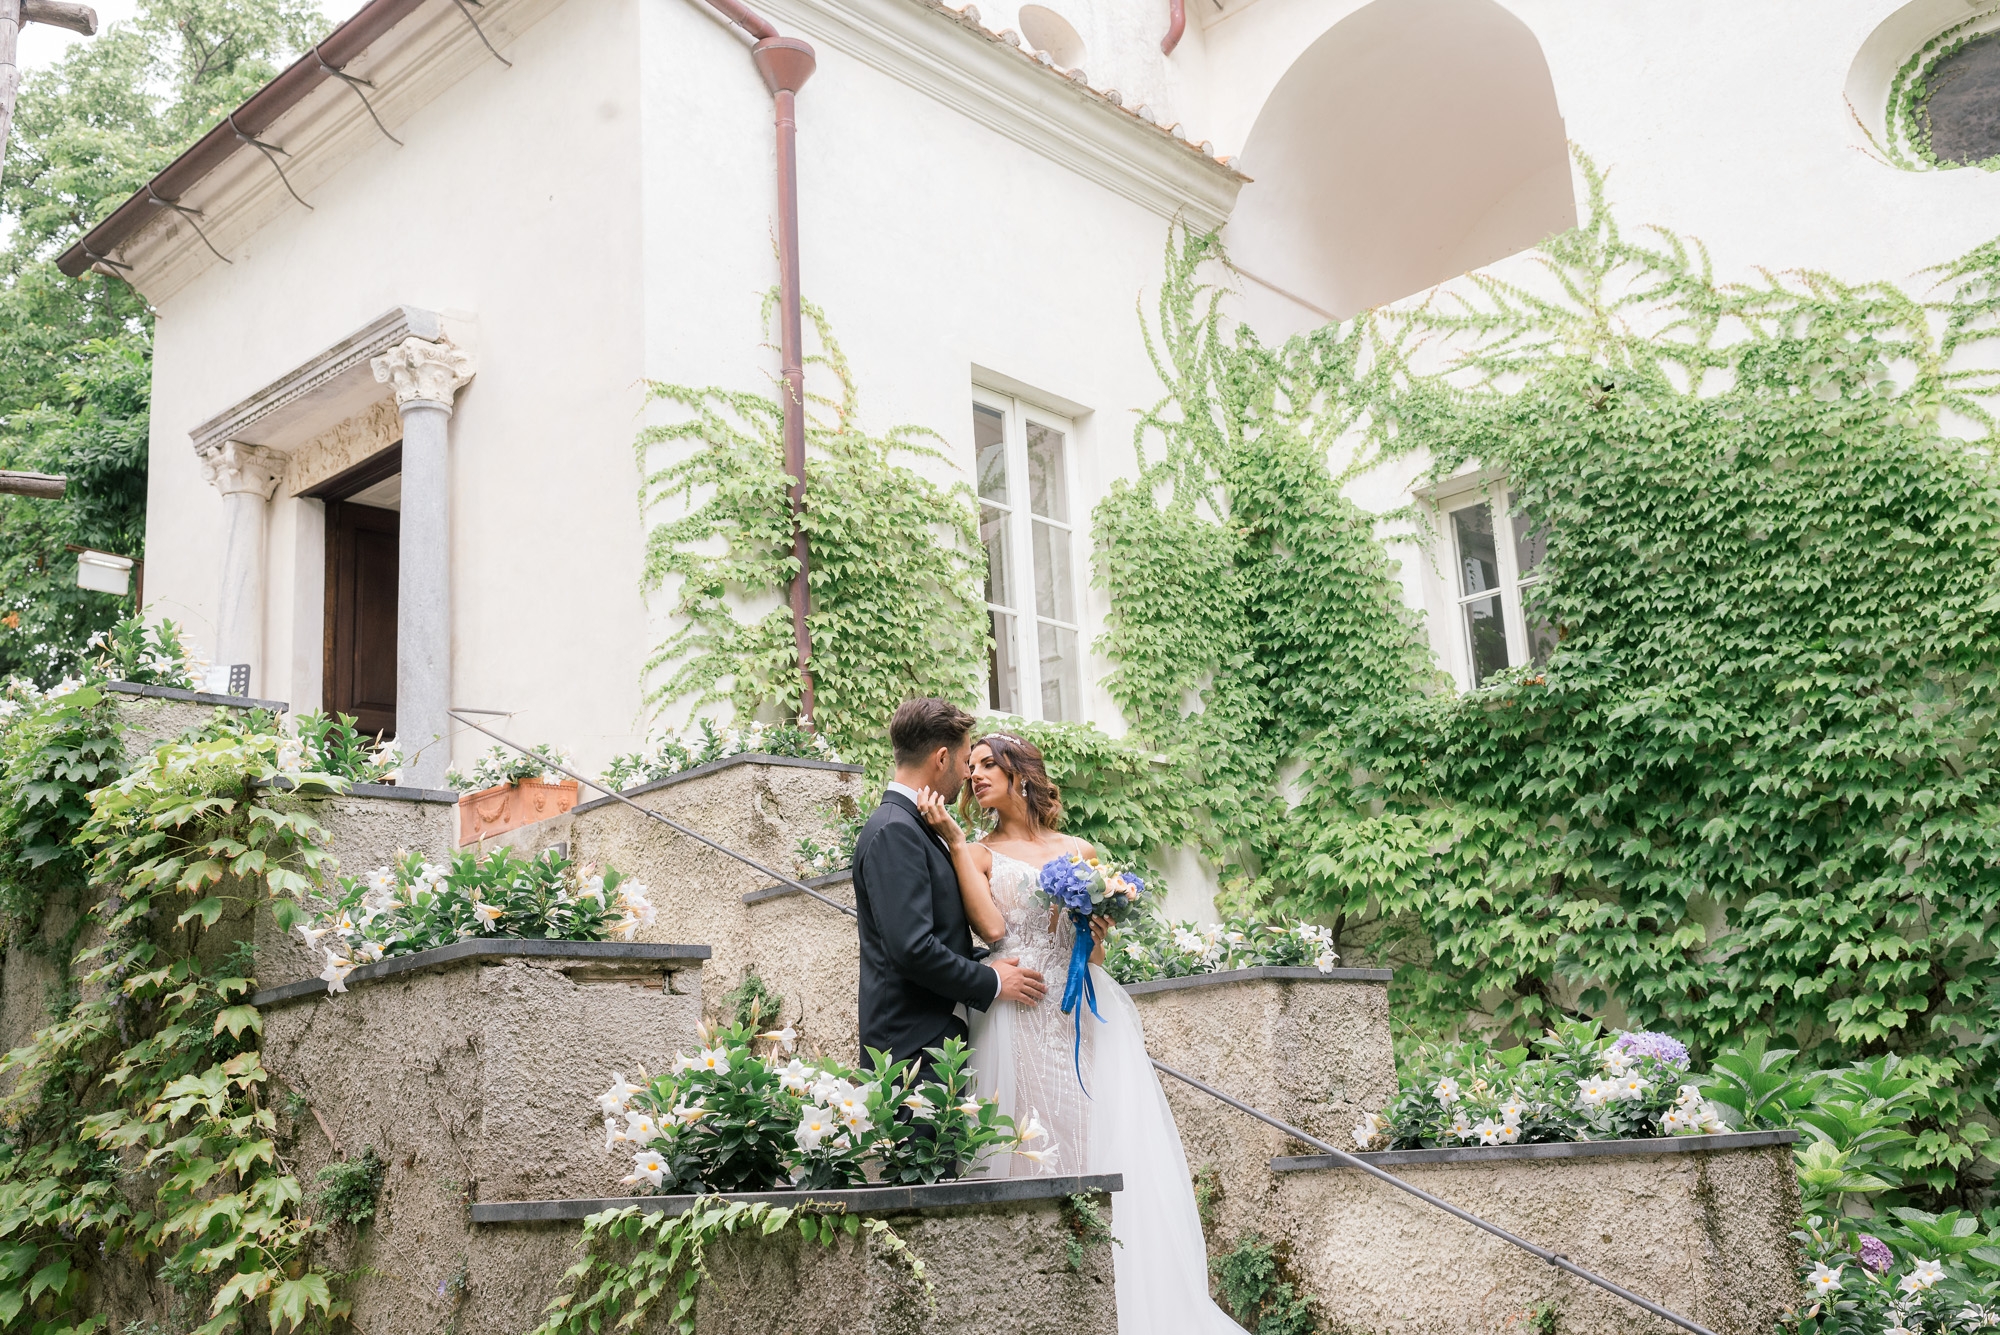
(1022, 763)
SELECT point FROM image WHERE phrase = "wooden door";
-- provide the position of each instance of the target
(361, 555)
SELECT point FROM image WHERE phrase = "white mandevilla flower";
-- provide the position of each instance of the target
(488, 914)
(713, 1059)
(312, 934)
(369, 951)
(1922, 1277)
(1676, 1123)
(784, 1038)
(1032, 1130)
(687, 1114)
(1445, 1091)
(920, 1106)
(618, 1098)
(1508, 1134)
(336, 972)
(1488, 1132)
(1461, 1126)
(648, 1166)
(1369, 1130)
(614, 1134)
(852, 1110)
(828, 1088)
(1512, 1111)
(796, 1077)
(1047, 1156)
(1632, 1088)
(1824, 1279)
(1189, 943)
(970, 1107)
(1595, 1093)
(815, 1125)
(640, 1127)
(1617, 1062)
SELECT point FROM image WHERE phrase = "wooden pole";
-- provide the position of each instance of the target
(45, 485)
(13, 13)
(10, 68)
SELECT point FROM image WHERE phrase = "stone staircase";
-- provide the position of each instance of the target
(470, 1070)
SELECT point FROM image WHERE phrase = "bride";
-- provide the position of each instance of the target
(1100, 1101)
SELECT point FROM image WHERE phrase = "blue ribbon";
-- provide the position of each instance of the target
(1080, 984)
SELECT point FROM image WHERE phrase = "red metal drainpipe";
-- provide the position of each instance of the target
(786, 63)
(1176, 25)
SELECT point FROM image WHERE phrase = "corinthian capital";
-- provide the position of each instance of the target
(423, 371)
(234, 467)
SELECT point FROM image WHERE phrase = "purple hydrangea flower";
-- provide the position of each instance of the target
(1875, 1254)
(1662, 1046)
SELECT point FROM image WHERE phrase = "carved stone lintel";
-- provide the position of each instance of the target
(234, 467)
(423, 371)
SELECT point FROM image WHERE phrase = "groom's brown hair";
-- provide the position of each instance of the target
(921, 726)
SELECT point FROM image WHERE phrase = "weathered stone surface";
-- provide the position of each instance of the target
(1312, 1050)
(760, 806)
(996, 1269)
(155, 714)
(1705, 1234)
(475, 1077)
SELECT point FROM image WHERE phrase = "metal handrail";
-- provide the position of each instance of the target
(673, 825)
(1555, 1259)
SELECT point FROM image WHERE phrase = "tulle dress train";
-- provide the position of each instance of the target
(1024, 1057)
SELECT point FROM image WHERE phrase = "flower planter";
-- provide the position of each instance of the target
(1309, 1047)
(466, 1066)
(995, 1252)
(1700, 1224)
(761, 806)
(509, 806)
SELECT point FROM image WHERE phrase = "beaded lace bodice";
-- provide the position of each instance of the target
(1044, 1065)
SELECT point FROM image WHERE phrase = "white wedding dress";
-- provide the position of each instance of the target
(1022, 1056)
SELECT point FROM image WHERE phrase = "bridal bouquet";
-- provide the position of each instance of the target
(1088, 888)
(417, 904)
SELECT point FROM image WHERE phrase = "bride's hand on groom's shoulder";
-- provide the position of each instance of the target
(938, 816)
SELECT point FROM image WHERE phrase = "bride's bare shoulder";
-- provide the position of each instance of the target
(982, 856)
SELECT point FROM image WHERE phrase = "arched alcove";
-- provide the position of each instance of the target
(1911, 54)
(1414, 140)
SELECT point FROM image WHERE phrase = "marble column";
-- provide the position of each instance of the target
(246, 475)
(427, 377)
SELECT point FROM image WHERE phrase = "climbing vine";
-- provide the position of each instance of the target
(138, 1129)
(1753, 791)
(895, 559)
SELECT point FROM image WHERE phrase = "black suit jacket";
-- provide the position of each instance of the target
(917, 959)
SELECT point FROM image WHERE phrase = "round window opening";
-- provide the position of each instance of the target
(1049, 31)
(1960, 110)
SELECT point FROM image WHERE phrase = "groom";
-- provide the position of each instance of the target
(918, 968)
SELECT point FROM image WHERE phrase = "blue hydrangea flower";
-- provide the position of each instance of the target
(1662, 1046)
(1069, 881)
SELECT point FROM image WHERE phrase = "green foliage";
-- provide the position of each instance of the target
(149, 655)
(731, 1120)
(416, 904)
(76, 354)
(153, 1063)
(665, 1256)
(1087, 1228)
(671, 755)
(54, 750)
(350, 1188)
(333, 745)
(751, 1001)
(1147, 946)
(1116, 795)
(895, 561)
(1751, 794)
(1260, 1290)
(504, 765)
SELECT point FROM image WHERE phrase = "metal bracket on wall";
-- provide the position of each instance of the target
(270, 152)
(482, 34)
(357, 84)
(190, 215)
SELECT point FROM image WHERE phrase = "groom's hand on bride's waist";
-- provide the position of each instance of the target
(1018, 984)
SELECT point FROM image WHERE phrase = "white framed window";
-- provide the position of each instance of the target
(1027, 522)
(1496, 558)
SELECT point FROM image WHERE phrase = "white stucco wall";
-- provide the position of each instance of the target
(604, 211)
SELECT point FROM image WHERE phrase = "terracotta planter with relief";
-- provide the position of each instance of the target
(492, 811)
